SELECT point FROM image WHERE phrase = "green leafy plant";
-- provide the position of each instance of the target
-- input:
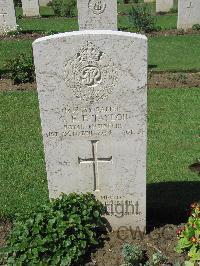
(189, 235)
(173, 10)
(142, 19)
(196, 27)
(59, 233)
(158, 258)
(64, 8)
(21, 68)
(133, 255)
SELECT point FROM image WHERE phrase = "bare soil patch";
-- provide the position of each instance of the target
(173, 32)
(5, 227)
(160, 239)
(7, 85)
(34, 35)
(155, 80)
(23, 36)
(173, 80)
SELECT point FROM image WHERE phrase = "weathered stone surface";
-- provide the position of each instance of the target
(30, 8)
(7, 16)
(97, 14)
(164, 5)
(188, 13)
(44, 2)
(93, 97)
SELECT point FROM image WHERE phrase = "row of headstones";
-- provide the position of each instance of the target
(7, 12)
(188, 12)
(31, 8)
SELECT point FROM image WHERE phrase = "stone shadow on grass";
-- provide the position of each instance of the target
(169, 202)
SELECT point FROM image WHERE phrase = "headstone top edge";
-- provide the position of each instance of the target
(89, 32)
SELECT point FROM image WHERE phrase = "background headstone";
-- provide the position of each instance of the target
(7, 16)
(93, 97)
(188, 13)
(44, 2)
(149, 1)
(97, 14)
(30, 8)
(164, 5)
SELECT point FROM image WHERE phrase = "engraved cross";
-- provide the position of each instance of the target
(190, 5)
(95, 160)
(3, 13)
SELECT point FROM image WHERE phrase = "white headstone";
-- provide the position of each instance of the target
(97, 14)
(7, 16)
(188, 13)
(164, 5)
(30, 8)
(93, 106)
(44, 2)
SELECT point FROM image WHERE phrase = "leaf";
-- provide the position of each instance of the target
(96, 214)
(184, 243)
(192, 251)
(189, 263)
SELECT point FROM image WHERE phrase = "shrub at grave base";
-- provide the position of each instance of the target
(142, 19)
(158, 259)
(189, 236)
(60, 233)
(173, 10)
(196, 27)
(21, 68)
(64, 8)
(133, 255)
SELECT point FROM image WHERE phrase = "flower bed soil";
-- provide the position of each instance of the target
(110, 253)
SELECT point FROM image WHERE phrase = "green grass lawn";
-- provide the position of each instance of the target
(171, 53)
(61, 24)
(44, 11)
(165, 53)
(174, 53)
(126, 8)
(173, 144)
(166, 22)
(22, 171)
(51, 24)
(10, 49)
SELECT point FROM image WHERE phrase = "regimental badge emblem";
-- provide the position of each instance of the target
(90, 74)
(97, 6)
